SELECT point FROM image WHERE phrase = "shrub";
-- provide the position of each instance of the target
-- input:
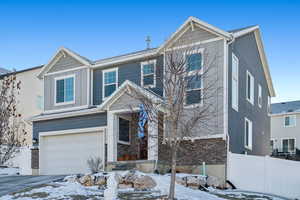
(95, 164)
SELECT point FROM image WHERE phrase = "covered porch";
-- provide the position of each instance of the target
(124, 146)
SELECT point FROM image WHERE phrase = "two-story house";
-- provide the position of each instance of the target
(86, 107)
(285, 128)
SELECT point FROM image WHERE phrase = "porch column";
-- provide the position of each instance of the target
(153, 139)
(112, 125)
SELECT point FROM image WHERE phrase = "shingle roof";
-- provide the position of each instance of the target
(240, 29)
(3, 71)
(285, 107)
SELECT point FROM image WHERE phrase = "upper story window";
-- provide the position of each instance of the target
(259, 98)
(110, 82)
(148, 74)
(40, 102)
(248, 133)
(290, 121)
(65, 90)
(194, 63)
(250, 88)
(235, 83)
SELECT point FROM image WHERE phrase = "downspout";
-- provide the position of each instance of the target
(226, 131)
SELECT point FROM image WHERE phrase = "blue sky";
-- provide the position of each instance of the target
(31, 31)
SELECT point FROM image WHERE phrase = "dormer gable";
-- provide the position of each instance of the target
(64, 59)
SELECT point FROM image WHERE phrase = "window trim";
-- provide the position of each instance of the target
(289, 126)
(251, 100)
(103, 81)
(235, 107)
(121, 141)
(288, 144)
(55, 91)
(250, 139)
(192, 73)
(259, 95)
(154, 73)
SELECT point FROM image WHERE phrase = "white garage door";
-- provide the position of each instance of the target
(68, 153)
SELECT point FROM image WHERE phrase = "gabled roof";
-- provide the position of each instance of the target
(62, 51)
(193, 21)
(127, 86)
(285, 107)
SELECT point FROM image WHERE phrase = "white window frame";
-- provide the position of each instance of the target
(235, 77)
(192, 73)
(251, 100)
(288, 144)
(121, 141)
(289, 126)
(250, 134)
(259, 96)
(154, 73)
(61, 78)
(103, 81)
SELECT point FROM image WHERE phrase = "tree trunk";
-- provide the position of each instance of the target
(173, 173)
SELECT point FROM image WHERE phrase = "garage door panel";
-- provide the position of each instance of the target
(68, 154)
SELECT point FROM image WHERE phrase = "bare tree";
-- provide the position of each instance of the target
(11, 130)
(190, 101)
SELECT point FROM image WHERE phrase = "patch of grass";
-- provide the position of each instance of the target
(243, 196)
(36, 195)
(89, 197)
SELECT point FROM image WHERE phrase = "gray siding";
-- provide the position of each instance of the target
(87, 121)
(246, 50)
(64, 63)
(81, 88)
(196, 35)
(128, 71)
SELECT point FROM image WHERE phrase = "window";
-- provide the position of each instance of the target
(194, 78)
(148, 70)
(248, 133)
(65, 89)
(250, 88)
(110, 82)
(39, 102)
(124, 131)
(259, 98)
(288, 145)
(290, 121)
(235, 82)
(272, 144)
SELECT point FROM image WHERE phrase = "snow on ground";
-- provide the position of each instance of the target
(9, 171)
(62, 190)
(73, 190)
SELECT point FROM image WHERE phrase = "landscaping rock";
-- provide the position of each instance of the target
(124, 186)
(213, 182)
(86, 180)
(100, 180)
(181, 181)
(71, 179)
(144, 183)
(129, 178)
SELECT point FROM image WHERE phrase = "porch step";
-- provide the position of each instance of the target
(124, 166)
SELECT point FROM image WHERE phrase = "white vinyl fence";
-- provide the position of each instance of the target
(22, 160)
(265, 174)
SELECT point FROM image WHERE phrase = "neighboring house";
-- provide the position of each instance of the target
(3, 71)
(29, 103)
(29, 99)
(87, 112)
(285, 128)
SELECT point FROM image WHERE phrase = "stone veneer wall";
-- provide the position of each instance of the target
(211, 151)
(35, 158)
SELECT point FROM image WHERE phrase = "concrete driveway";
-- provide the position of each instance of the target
(9, 184)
